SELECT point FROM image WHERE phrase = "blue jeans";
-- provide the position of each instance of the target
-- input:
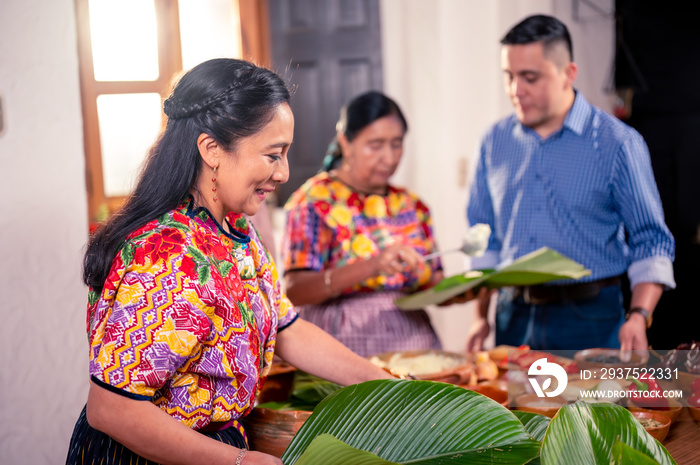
(566, 325)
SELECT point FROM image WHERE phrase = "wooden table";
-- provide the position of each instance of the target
(683, 440)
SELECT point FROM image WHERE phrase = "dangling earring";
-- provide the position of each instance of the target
(213, 181)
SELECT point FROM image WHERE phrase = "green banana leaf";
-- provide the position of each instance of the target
(584, 433)
(541, 266)
(404, 421)
(326, 449)
(534, 423)
(329, 450)
(622, 454)
(425, 422)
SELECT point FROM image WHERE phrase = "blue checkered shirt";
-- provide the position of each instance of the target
(586, 191)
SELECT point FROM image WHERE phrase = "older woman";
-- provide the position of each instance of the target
(354, 243)
(185, 310)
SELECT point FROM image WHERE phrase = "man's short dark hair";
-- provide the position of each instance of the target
(539, 28)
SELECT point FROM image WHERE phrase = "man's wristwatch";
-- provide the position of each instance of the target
(642, 311)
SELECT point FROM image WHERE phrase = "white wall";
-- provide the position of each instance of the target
(441, 65)
(43, 374)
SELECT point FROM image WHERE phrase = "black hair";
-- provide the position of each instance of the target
(227, 99)
(360, 112)
(540, 28)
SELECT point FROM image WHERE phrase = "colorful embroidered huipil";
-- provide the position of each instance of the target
(330, 225)
(188, 317)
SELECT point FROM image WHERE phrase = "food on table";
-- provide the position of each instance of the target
(417, 365)
(605, 391)
(685, 357)
(695, 385)
(523, 357)
(650, 422)
(500, 353)
(694, 399)
(486, 369)
(604, 359)
(542, 403)
(527, 358)
(646, 392)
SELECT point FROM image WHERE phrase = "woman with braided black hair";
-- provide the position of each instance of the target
(185, 310)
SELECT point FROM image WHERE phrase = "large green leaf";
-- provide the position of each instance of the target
(327, 449)
(534, 423)
(584, 433)
(405, 420)
(622, 454)
(540, 266)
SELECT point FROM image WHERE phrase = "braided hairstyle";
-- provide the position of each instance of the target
(360, 112)
(225, 98)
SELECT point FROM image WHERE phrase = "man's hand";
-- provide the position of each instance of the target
(633, 334)
(480, 328)
(477, 334)
(460, 299)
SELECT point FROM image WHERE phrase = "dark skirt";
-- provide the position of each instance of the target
(89, 446)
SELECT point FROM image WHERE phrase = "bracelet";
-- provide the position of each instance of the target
(642, 311)
(327, 275)
(241, 454)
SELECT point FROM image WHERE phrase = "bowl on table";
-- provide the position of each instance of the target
(278, 385)
(498, 383)
(599, 358)
(270, 430)
(547, 406)
(655, 423)
(695, 413)
(674, 409)
(494, 393)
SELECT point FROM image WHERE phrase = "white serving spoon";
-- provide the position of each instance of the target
(474, 242)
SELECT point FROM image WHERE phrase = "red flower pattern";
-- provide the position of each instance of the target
(202, 241)
(322, 206)
(161, 245)
(355, 201)
(235, 285)
(189, 267)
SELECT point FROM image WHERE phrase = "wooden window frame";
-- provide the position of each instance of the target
(255, 44)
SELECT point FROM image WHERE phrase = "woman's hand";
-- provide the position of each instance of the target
(150, 432)
(397, 258)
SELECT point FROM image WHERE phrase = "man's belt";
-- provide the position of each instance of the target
(541, 294)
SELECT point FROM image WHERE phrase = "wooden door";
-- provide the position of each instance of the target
(328, 51)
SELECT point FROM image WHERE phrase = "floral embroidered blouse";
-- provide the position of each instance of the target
(188, 317)
(330, 225)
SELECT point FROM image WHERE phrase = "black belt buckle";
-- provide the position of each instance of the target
(541, 295)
